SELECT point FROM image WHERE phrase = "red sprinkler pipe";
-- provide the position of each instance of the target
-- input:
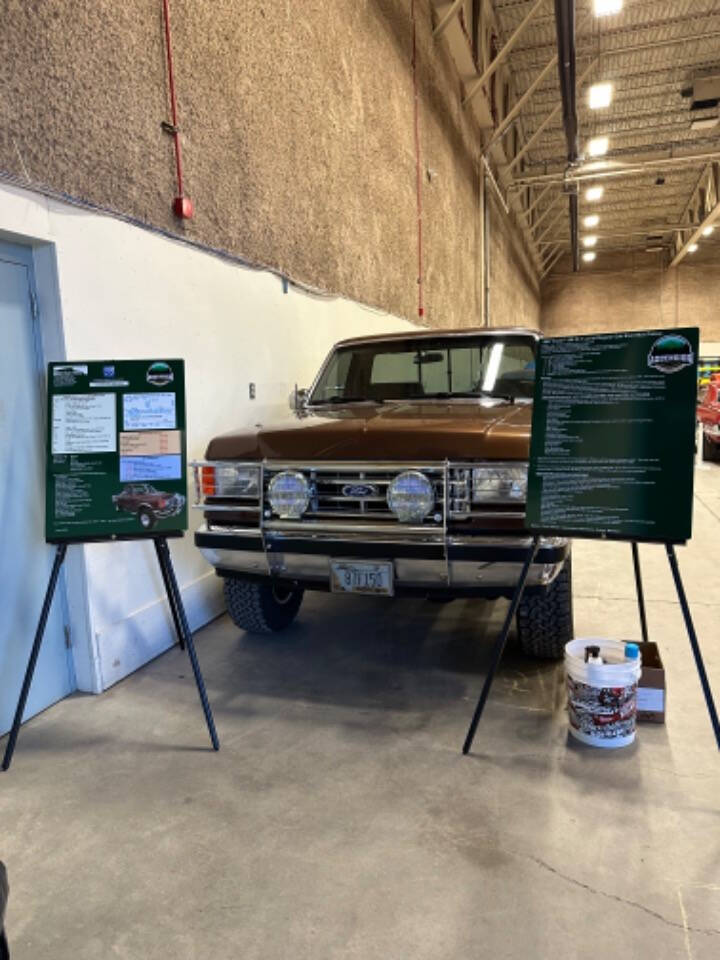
(182, 205)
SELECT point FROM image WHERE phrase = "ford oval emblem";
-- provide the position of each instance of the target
(359, 491)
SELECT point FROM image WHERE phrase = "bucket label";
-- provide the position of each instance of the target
(602, 713)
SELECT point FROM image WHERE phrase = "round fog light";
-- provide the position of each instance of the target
(410, 496)
(289, 494)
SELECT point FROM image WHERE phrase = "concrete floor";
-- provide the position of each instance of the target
(339, 819)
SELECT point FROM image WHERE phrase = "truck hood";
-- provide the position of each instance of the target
(425, 431)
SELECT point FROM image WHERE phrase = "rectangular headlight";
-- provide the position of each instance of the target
(236, 481)
(500, 483)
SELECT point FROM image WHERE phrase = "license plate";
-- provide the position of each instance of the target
(352, 577)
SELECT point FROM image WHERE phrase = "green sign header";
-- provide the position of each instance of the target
(116, 457)
(613, 436)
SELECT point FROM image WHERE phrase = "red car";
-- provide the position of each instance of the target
(708, 413)
(148, 503)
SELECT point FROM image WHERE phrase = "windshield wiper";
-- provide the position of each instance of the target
(329, 400)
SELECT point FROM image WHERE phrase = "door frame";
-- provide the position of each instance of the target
(40, 259)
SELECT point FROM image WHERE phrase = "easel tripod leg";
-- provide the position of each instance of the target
(693, 641)
(173, 606)
(174, 597)
(500, 647)
(639, 589)
(37, 643)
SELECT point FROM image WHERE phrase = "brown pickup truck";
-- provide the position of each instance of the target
(403, 470)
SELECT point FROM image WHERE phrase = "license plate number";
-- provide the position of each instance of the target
(373, 578)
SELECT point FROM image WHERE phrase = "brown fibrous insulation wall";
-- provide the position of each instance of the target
(297, 132)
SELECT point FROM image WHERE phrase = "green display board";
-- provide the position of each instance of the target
(613, 436)
(116, 454)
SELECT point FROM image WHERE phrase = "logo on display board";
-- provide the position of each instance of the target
(671, 353)
(109, 371)
(159, 374)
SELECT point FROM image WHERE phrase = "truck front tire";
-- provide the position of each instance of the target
(545, 619)
(259, 607)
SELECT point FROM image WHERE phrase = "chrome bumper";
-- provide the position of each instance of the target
(432, 563)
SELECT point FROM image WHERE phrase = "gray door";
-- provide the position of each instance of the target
(25, 558)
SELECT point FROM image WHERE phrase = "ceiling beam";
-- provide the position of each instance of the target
(546, 211)
(548, 119)
(447, 18)
(538, 199)
(552, 261)
(591, 37)
(631, 153)
(683, 119)
(502, 55)
(707, 194)
(508, 120)
(648, 232)
(600, 172)
(549, 227)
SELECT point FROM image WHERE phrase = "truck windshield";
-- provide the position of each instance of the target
(415, 369)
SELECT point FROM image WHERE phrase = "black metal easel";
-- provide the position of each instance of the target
(500, 645)
(689, 626)
(181, 627)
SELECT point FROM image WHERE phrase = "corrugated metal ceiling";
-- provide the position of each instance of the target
(650, 52)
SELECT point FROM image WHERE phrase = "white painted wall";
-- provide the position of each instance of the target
(127, 293)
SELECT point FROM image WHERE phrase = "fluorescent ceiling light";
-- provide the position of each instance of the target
(593, 194)
(589, 256)
(707, 231)
(592, 221)
(589, 241)
(606, 8)
(692, 248)
(600, 95)
(598, 146)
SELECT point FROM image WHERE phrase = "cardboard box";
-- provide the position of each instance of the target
(651, 694)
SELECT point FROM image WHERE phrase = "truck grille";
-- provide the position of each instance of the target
(360, 493)
(354, 494)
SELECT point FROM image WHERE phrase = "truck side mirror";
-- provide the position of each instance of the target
(298, 398)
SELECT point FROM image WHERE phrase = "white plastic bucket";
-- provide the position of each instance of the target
(602, 698)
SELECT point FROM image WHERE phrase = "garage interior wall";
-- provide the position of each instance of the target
(297, 129)
(634, 291)
(128, 293)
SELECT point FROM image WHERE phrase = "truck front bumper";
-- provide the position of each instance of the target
(458, 565)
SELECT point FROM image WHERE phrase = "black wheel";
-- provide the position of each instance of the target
(709, 449)
(261, 607)
(146, 518)
(545, 619)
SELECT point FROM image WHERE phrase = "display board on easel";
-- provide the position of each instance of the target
(613, 437)
(115, 470)
(612, 456)
(116, 451)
